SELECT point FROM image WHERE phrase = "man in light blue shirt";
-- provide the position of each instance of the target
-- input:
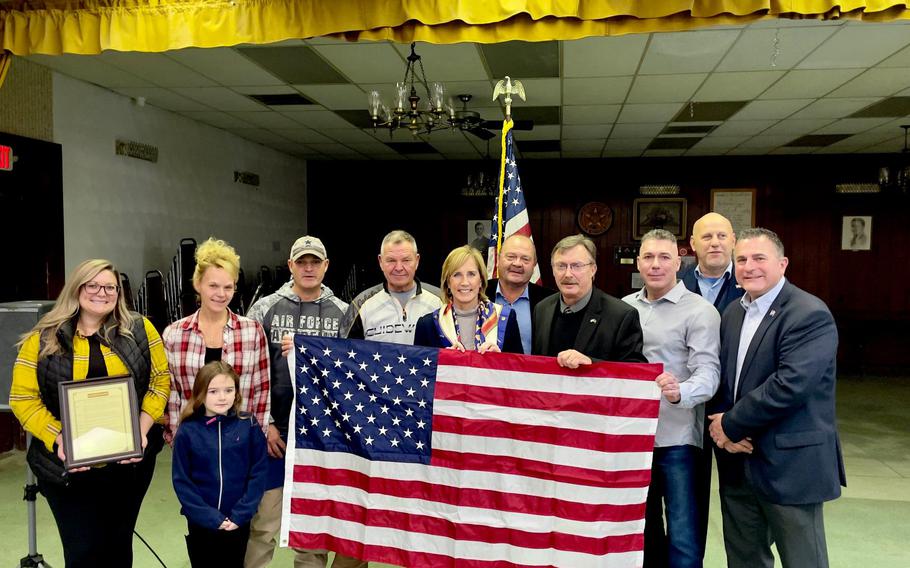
(681, 330)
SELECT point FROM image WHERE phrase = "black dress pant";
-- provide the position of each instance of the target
(209, 548)
(95, 515)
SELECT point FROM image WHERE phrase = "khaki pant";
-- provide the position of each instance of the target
(263, 539)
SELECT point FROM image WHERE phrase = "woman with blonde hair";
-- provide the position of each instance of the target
(90, 333)
(215, 333)
(468, 321)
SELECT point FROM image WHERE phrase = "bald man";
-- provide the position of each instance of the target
(517, 258)
(713, 278)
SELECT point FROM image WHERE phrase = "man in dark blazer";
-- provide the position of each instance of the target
(581, 324)
(774, 415)
(515, 266)
(713, 277)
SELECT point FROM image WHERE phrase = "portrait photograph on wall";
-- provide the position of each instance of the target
(479, 234)
(856, 232)
(667, 213)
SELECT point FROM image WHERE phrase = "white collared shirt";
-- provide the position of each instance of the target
(755, 312)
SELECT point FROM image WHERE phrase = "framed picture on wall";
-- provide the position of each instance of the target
(659, 213)
(737, 205)
(479, 234)
(856, 232)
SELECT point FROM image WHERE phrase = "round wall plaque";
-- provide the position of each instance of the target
(595, 218)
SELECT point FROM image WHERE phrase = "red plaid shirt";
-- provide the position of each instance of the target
(245, 349)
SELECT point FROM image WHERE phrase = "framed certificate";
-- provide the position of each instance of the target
(737, 205)
(100, 420)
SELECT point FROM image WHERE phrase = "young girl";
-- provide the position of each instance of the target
(219, 469)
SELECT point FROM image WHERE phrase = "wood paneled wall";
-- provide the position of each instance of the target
(353, 204)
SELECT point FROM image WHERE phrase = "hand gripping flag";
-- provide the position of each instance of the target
(431, 457)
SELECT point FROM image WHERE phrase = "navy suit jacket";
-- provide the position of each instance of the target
(536, 293)
(729, 291)
(784, 403)
(611, 330)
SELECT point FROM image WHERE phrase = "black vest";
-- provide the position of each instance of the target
(52, 370)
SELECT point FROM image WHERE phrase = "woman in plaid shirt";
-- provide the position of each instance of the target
(215, 333)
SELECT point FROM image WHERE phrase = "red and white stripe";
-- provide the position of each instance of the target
(532, 465)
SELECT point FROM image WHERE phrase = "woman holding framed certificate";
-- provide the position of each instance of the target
(90, 333)
(215, 333)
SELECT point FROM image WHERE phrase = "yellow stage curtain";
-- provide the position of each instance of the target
(91, 26)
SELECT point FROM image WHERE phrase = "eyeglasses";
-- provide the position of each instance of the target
(574, 267)
(94, 288)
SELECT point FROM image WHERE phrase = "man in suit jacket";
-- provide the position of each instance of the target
(713, 277)
(775, 414)
(515, 265)
(581, 324)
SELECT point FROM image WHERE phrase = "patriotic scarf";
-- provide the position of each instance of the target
(486, 330)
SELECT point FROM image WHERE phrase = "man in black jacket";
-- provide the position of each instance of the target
(582, 324)
(515, 264)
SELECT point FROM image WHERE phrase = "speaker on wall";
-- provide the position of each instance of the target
(16, 318)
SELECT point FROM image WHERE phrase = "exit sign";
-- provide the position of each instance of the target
(6, 158)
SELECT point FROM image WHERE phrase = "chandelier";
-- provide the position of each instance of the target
(896, 177)
(406, 110)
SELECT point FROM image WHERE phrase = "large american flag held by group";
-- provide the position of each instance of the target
(510, 210)
(431, 457)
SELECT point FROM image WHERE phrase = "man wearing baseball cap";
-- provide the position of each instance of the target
(303, 305)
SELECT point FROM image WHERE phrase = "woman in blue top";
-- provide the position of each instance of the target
(468, 321)
(219, 468)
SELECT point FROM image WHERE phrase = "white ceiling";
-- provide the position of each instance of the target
(615, 94)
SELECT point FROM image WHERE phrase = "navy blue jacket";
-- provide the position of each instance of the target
(219, 468)
(785, 401)
(729, 291)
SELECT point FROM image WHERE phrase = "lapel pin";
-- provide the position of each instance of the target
(593, 320)
(772, 313)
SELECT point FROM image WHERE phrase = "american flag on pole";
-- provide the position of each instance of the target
(510, 211)
(430, 457)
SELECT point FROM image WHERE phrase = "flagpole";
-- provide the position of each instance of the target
(504, 87)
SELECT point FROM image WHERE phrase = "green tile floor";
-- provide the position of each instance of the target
(868, 526)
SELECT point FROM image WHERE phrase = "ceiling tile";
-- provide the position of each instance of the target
(673, 143)
(583, 145)
(156, 68)
(305, 135)
(759, 110)
(817, 140)
(452, 147)
(857, 45)
(265, 90)
(648, 112)
(166, 99)
(627, 144)
(573, 154)
(712, 111)
(318, 119)
(543, 132)
(749, 151)
(699, 151)
(595, 90)
(588, 131)
(346, 135)
(335, 96)
(832, 108)
(721, 142)
(336, 150)
(217, 119)
(876, 83)
(375, 148)
(852, 125)
(220, 98)
(899, 59)
(447, 62)
(541, 155)
(521, 59)
(797, 127)
(664, 88)
(767, 141)
(541, 92)
(892, 106)
(755, 48)
(742, 128)
(686, 52)
(260, 135)
(367, 62)
(294, 64)
(621, 153)
(808, 83)
(637, 130)
(284, 100)
(603, 56)
(736, 86)
(91, 69)
(292, 148)
(590, 114)
(663, 152)
(538, 115)
(264, 119)
(224, 65)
